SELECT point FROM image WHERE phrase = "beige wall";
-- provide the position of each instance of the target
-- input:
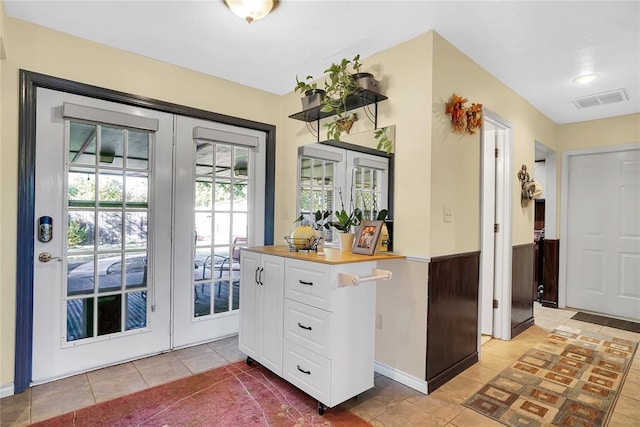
(455, 163)
(597, 133)
(38, 49)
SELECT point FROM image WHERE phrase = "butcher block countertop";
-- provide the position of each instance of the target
(331, 256)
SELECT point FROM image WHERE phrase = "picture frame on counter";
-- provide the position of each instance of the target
(367, 237)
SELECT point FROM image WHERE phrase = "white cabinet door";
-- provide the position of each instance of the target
(271, 279)
(249, 303)
(261, 308)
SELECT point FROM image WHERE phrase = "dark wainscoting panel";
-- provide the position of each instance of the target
(550, 267)
(521, 280)
(452, 316)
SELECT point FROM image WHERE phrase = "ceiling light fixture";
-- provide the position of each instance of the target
(585, 78)
(251, 10)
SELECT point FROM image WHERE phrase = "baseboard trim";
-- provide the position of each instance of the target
(401, 377)
(7, 390)
(516, 330)
(454, 370)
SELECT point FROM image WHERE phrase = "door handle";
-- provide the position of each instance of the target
(260, 277)
(46, 257)
(255, 276)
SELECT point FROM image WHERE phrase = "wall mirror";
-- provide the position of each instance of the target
(350, 173)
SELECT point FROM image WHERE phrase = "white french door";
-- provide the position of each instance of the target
(101, 287)
(219, 208)
(148, 212)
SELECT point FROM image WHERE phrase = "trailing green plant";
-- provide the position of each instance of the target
(384, 142)
(339, 86)
(317, 220)
(308, 84)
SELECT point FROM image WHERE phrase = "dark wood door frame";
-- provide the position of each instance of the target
(29, 83)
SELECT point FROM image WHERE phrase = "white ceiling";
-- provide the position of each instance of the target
(536, 48)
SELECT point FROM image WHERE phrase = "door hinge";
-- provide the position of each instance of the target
(495, 303)
(496, 228)
(497, 153)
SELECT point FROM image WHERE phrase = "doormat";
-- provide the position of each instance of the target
(607, 321)
(573, 378)
(233, 395)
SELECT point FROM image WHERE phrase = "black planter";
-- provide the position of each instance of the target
(313, 98)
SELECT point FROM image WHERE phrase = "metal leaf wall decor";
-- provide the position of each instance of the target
(463, 119)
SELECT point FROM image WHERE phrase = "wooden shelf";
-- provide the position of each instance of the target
(362, 98)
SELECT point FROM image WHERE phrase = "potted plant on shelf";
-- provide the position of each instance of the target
(313, 96)
(339, 86)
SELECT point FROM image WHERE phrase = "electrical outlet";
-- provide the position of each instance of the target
(447, 214)
(378, 321)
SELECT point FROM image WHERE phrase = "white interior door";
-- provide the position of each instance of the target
(219, 207)
(495, 267)
(104, 295)
(489, 147)
(603, 233)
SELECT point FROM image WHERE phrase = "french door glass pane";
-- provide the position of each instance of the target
(367, 191)
(80, 275)
(106, 241)
(138, 150)
(82, 143)
(136, 310)
(136, 229)
(137, 190)
(81, 187)
(110, 188)
(110, 230)
(220, 215)
(80, 230)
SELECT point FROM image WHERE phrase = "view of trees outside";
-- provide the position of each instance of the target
(81, 223)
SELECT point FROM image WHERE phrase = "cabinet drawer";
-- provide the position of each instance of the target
(308, 371)
(308, 283)
(307, 326)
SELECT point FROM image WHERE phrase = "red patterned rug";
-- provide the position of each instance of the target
(233, 395)
(571, 379)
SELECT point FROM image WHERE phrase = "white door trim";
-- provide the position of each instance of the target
(564, 200)
(504, 211)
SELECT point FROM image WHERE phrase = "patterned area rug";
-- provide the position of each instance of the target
(233, 395)
(571, 379)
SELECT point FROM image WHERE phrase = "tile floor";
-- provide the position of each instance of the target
(387, 404)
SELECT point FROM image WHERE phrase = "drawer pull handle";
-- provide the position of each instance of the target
(303, 371)
(302, 282)
(308, 328)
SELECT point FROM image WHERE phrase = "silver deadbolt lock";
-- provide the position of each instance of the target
(46, 257)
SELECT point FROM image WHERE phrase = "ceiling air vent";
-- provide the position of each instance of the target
(610, 97)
